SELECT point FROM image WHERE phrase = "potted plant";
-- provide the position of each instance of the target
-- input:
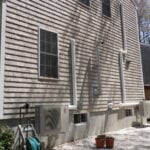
(100, 141)
(6, 138)
(109, 142)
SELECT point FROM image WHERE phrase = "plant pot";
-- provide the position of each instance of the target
(100, 142)
(109, 142)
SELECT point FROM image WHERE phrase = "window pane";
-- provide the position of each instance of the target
(48, 36)
(54, 48)
(48, 47)
(42, 70)
(42, 59)
(42, 46)
(48, 71)
(106, 9)
(48, 60)
(54, 38)
(77, 118)
(54, 61)
(83, 117)
(54, 72)
(42, 35)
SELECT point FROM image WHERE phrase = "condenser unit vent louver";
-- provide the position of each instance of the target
(51, 119)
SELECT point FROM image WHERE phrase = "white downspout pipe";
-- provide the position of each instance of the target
(74, 103)
(122, 78)
(123, 52)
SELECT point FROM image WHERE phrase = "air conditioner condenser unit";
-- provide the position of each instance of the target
(51, 119)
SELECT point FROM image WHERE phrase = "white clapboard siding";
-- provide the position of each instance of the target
(89, 28)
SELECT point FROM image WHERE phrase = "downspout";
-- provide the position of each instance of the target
(73, 104)
(2, 57)
(123, 52)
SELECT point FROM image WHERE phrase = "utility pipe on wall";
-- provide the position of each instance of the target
(122, 77)
(74, 103)
(123, 52)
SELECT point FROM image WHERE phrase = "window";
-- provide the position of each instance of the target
(80, 118)
(106, 9)
(128, 112)
(48, 54)
(86, 2)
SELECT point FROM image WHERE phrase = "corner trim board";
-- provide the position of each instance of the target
(2, 58)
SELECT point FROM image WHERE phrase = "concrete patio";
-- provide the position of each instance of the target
(125, 139)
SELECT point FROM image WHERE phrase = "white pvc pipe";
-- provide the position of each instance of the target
(123, 52)
(123, 28)
(73, 105)
(122, 78)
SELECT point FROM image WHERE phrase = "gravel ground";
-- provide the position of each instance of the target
(126, 139)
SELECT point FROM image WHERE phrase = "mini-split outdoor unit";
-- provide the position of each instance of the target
(51, 119)
(144, 108)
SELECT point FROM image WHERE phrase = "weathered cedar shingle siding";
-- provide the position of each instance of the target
(86, 25)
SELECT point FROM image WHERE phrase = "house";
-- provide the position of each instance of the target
(145, 52)
(82, 54)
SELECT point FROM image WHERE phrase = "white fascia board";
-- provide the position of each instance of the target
(2, 57)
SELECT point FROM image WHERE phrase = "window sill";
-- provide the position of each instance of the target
(48, 79)
(81, 124)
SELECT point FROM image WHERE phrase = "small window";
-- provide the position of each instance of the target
(80, 118)
(86, 2)
(48, 54)
(106, 9)
(128, 112)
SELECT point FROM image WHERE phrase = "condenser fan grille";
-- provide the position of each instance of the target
(52, 119)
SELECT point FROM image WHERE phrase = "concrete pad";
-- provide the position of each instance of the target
(125, 139)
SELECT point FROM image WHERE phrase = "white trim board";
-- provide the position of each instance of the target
(2, 57)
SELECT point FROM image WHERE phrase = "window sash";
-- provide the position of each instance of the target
(48, 56)
(106, 8)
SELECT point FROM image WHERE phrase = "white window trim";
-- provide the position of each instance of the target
(54, 31)
(2, 58)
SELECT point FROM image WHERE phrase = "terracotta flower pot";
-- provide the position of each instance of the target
(109, 142)
(100, 141)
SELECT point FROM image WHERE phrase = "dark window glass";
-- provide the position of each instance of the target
(86, 2)
(42, 59)
(106, 9)
(128, 112)
(80, 118)
(42, 35)
(83, 118)
(54, 48)
(42, 70)
(42, 46)
(76, 118)
(48, 54)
